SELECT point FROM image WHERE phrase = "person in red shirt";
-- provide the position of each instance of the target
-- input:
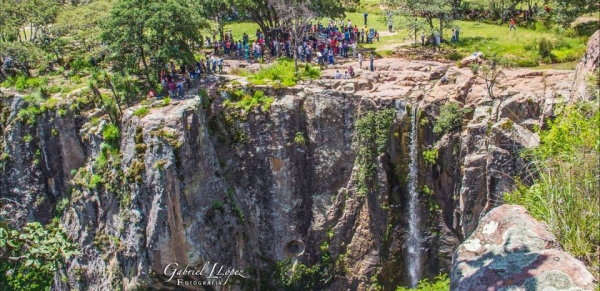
(512, 25)
(172, 89)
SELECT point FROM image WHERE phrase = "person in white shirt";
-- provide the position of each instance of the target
(360, 59)
(346, 75)
(354, 49)
(301, 52)
(337, 75)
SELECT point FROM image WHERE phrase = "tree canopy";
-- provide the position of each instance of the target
(264, 13)
(140, 30)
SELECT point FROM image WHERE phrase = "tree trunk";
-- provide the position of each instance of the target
(441, 18)
(295, 36)
(146, 72)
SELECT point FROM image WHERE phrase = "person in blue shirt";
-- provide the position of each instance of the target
(180, 89)
(366, 14)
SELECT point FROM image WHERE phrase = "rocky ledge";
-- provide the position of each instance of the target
(510, 250)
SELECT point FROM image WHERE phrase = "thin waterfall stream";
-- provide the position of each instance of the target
(414, 235)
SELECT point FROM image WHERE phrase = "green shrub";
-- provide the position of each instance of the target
(9, 82)
(545, 47)
(299, 138)
(62, 204)
(79, 64)
(111, 134)
(95, 120)
(256, 100)
(141, 112)
(455, 56)
(430, 156)
(21, 83)
(166, 101)
(40, 249)
(565, 193)
(451, 118)
(75, 79)
(283, 71)
(95, 181)
(440, 283)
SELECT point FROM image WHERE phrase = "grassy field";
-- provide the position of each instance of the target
(519, 48)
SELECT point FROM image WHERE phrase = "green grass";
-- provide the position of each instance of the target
(238, 28)
(520, 48)
(566, 192)
(141, 112)
(283, 71)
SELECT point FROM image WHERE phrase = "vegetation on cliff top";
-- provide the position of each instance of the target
(283, 72)
(565, 191)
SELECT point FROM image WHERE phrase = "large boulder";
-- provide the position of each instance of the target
(589, 65)
(510, 250)
(467, 61)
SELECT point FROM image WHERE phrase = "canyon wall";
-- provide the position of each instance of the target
(319, 177)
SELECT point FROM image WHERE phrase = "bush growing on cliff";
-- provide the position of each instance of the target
(256, 100)
(440, 283)
(141, 112)
(299, 138)
(451, 118)
(283, 72)
(111, 134)
(372, 134)
(33, 255)
(566, 191)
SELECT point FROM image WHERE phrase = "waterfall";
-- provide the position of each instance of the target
(414, 235)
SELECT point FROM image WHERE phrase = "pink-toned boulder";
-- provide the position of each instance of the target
(510, 250)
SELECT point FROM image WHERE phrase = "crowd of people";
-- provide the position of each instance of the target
(318, 43)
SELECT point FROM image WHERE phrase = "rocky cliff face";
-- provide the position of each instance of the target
(320, 176)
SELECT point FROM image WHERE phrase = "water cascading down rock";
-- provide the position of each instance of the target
(414, 235)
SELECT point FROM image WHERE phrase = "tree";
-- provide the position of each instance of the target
(11, 20)
(565, 12)
(81, 24)
(266, 16)
(413, 24)
(38, 14)
(490, 73)
(297, 16)
(140, 29)
(24, 55)
(30, 257)
(431, 11)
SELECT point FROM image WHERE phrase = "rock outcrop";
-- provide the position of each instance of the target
(510, 250)
(582, 89)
